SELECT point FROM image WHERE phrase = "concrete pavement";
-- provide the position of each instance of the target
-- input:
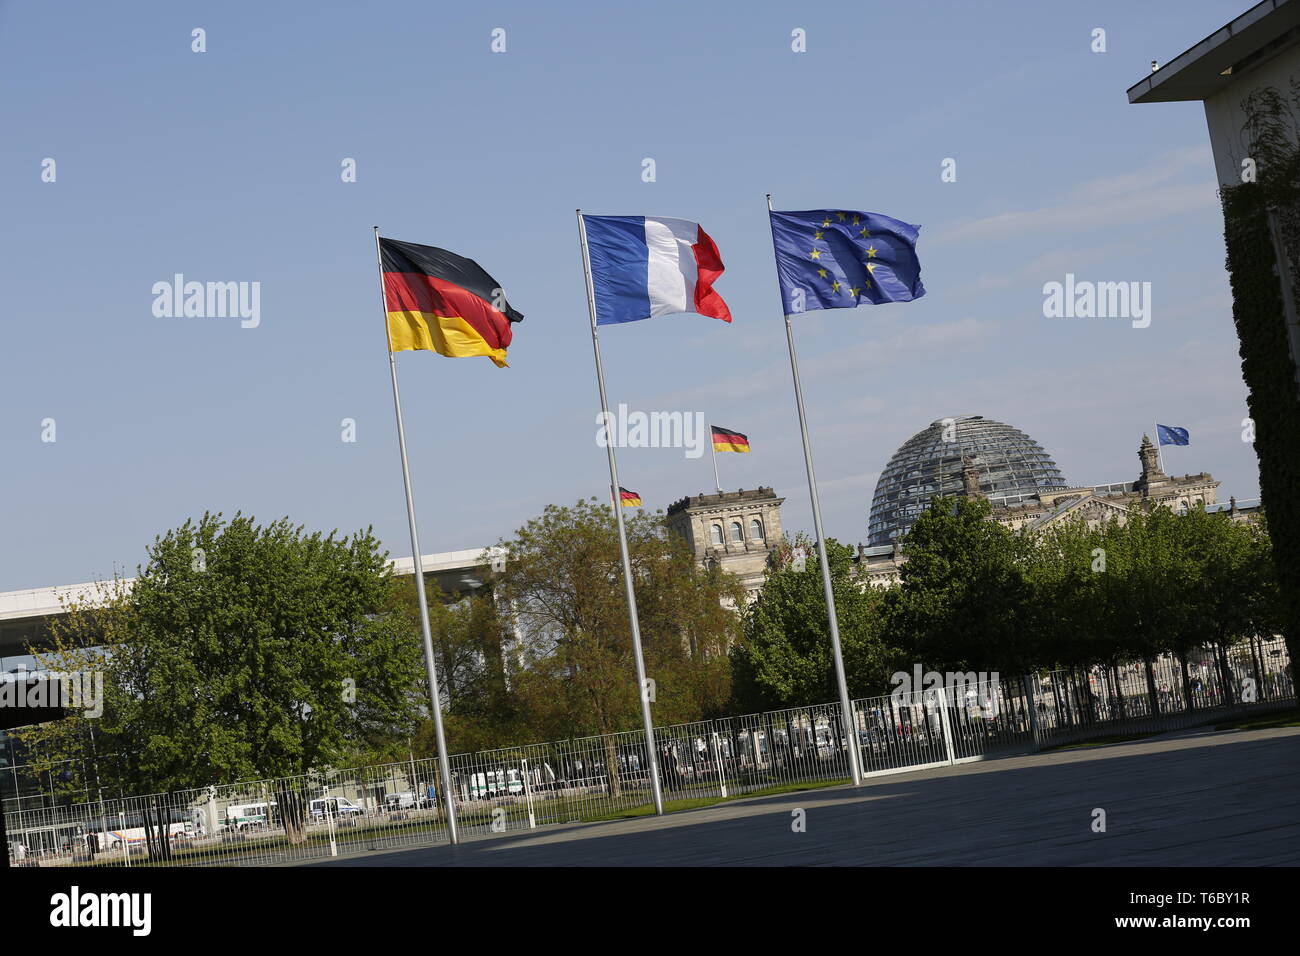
(1195, 798)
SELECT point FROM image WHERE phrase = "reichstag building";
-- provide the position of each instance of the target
(974, 456)
(1012, 467)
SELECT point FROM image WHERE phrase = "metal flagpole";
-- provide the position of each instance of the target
(717, 482)
(846, 705)
(1160, 448)
(642, 686)
(448, 791)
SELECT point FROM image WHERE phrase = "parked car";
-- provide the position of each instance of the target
(405, 800)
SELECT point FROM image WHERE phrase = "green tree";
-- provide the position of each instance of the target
(1103, 593)
(563, 588)
(468, 637)
(785, 659)
(965, 601)
(1233, 591)
(247, 651)
(471, 641)
(1158, 582)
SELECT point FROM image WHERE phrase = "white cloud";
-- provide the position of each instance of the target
(921, 341)
(1137, 196)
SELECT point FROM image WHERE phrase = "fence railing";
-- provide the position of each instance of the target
(316, 816)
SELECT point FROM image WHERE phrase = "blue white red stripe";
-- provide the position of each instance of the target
(643, 266)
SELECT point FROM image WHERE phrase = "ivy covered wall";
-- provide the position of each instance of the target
(1260, 317)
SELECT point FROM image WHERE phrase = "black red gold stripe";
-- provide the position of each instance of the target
(629, 499)
(726, 440)
(441, 302)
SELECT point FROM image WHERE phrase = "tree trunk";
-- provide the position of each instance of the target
(1292, 650)
(613, 780)
(1257, 670)
(1225, 676)
(1082, 699)
(164, 832)
(1152, 693)
(293, 815)
(771, 740)
(148, 817)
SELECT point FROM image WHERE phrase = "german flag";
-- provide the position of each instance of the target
(725, 440)
(628, 499)
(440, 302)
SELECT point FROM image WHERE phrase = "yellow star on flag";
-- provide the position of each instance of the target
(871, 267)
(825, 222)
(841, 215)
(871, 252)
(835, 287)
(863, 231)
(822, 273)
(855, 221)
(816, 254)
(818, 234)
(853, 291)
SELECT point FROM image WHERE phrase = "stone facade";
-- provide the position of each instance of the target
(733, 530)
(879, 565)
(1099, 503)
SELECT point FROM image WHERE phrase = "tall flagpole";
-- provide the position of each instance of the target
(642, 687)
(846, 705)
(1160, 448)
(435, 696)
(717, 482)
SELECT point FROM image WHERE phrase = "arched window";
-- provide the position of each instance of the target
(737, 533)
(716, 532)
(756, 529)
(1182, 506)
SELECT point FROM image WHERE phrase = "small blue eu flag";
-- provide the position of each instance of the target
(1172, 435)
(840, 259)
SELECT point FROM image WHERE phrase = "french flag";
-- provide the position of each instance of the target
(643, 266)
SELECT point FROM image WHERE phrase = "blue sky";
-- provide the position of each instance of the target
(225, 166)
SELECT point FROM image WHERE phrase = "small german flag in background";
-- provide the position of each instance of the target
(628, 499)
(440, 302)
(726, 440)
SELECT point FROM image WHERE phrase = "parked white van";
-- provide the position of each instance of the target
(406, 800)
(334, 806)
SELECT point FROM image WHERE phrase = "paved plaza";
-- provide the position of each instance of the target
(1194, 798)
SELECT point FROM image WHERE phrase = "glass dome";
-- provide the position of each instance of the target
(1012, 468)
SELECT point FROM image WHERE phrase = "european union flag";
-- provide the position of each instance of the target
(1172, 435)
(840, 259)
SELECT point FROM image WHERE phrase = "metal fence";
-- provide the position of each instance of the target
(945, 721)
